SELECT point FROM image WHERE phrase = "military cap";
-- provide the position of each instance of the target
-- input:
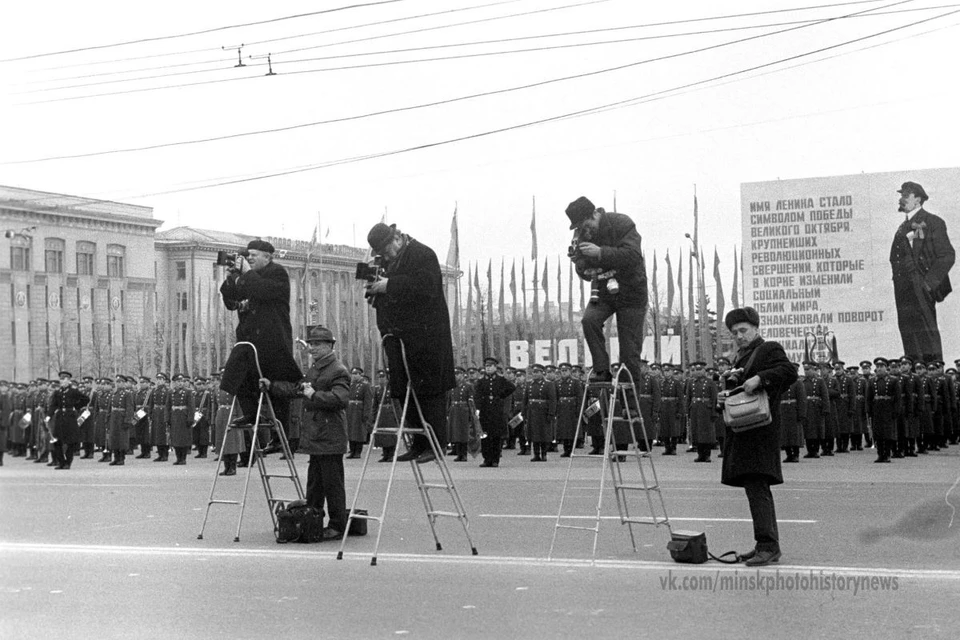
(919, 365)
(459, 370)
(906, 359)
(357, 370)
(957, 362)
(823, 364)
(698, 363)
(215, 374)
(536, 367)
(577, 367)
(177, 377)
(839, 363)
(881, 361)
(87, 378)
(490, 360)
(381, 372)
(851, 368)
(551, 367)
(199, 379)
(743, 314)
(914, 188)
(950, 370)
(564, 365)
(319, 333)
(723, 360)
(472, 369)
(380, 236)
(656, 365)
(120, 377)
(260, 245)
(808, 364)
(579, 210)
(65, 374)
(865, 364)
(143, 379)
(163, 376)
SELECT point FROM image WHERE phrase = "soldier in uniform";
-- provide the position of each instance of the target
(517, 403)
(142, 400)
(121, 419)
(883, 406)
(671, 409)
(6, 408)
(908, 422)
(205, 407)
(648, 397)
(700, 402)
(387, 415)
(181, 407)
(830, 418)
(230, 442)
(941, 416)
(491, 393)
(540, 411)
(64, 407)
(159, 408)
(102, 425)
(866, 367)
(460, 408)
(818, 406)
(359, 412)
(569, 398)
(793, 411)
(841, 406)
(926, 406)
(85, 419)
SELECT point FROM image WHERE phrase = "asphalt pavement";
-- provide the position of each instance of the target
(98, 551)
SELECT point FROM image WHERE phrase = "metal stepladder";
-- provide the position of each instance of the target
(611, 398)
(423, 486)
(256, 456)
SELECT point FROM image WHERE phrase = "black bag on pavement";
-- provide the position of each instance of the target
(358, 526)
(298, 522)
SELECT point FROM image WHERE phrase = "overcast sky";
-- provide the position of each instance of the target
(884, 103)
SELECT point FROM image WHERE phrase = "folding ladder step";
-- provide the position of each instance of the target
(655, 521)
(637, 487)
(447, 514)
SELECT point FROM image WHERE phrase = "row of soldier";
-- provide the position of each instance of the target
(907, 407)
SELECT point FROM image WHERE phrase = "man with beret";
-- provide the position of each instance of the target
(491, 392)
(751, 459)
(258, 289)
(411, 308)
(921, 257)
(607, 250)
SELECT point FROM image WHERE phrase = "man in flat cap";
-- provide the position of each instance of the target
(606, 252)
(258, 289)
(921, 257)
(411, 307)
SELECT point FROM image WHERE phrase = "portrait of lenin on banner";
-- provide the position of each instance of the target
(921, 257)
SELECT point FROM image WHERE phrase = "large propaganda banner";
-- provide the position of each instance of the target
(820, 256)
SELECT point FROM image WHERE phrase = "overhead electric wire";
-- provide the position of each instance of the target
(444, 58)
(343, 42)
(449, 46)
(199, 32)
(302, 35)
(429, 104)
(590, 110)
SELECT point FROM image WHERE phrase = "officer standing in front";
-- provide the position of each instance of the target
(490, 393)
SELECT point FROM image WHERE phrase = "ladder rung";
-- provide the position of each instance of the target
(434, 485)
(276, 475)
(237, 502)
(638, 487)
(397, 430)
(448, 514)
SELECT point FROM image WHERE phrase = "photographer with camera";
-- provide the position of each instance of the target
(258, 289)
(606, 251)
(408, 297)
(751, 458)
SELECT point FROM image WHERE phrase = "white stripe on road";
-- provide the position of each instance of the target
(298, 555)
(512, 516)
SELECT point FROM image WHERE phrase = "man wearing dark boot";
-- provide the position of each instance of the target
(65, 404)
(818, 405)
(182, 409)
(700, 402)
(793, 409)
(359, 412)
(883, 404)
(569, 396)
(541, 408)
(460, 414)
(492, 392)
(159, 407)
(122, 418)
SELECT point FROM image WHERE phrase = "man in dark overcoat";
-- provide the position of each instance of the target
(883, 407)
(491, 392)
(411, 308)
(258, 289)
(751, 459)
(921, 257)
(64, 407)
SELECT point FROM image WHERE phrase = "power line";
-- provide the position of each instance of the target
(204, 50)
(588, 111)
(199, 32)
(453, 45)
(435, 103)
(438, 59)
